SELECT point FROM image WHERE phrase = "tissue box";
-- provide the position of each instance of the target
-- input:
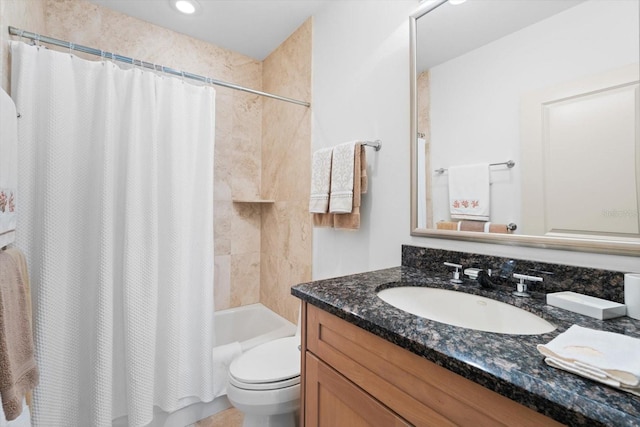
(584, 304)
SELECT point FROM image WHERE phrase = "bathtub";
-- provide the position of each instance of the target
(251, 325)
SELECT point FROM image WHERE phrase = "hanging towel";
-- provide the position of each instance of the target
(18, 370)
(21, 261)
(478, 226)
(8, 168)
(469, 195)
(320, 181)
(447, 225)
(352, 220)
(490, 227)
(222, 356)
(364, 178)
(24, 420)
(342, 171)
(607, 357)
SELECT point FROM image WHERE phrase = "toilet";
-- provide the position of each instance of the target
(264, 383)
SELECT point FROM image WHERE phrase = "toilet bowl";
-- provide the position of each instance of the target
(264, 384)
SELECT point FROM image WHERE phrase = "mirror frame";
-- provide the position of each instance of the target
(608, 246)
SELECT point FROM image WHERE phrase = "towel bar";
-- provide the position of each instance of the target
(377, 144)
(508, 163)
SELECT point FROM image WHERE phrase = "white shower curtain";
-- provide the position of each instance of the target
(116, 191)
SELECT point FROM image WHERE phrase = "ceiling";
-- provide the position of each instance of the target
(257, 27)
(251, 27)
(451, 30)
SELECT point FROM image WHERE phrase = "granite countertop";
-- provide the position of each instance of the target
(507, 364)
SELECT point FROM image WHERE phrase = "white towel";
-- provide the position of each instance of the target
(8, 168)
(591, 374)
(341, 199)
(222, 357)
(469, 194)
(607, 357)
(320, 181)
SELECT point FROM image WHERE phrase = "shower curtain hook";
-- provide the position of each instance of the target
(71, 47)
(36, 40)
(21, 35)
(182, 74)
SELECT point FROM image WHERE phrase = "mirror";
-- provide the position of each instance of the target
(530, 111)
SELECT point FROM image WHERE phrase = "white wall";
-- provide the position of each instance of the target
(361, 90)
(483, 88)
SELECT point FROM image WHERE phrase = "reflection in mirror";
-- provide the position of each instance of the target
(548, 87)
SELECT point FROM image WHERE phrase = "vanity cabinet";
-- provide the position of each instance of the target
(352, 377)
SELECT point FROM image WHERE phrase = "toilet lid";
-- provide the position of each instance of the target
(274, 361)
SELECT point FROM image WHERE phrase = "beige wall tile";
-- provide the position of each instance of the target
(245, 279)
(26, 15)
(286, 155)
(222, 280)
(222, 218)
(279, 274)
(246, 163)
(245, 228)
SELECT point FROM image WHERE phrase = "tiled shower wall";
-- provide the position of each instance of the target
(286, 153)
(239, 127)
(21, 14)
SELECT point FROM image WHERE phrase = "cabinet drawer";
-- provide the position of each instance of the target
(338, 402)
(420, 391)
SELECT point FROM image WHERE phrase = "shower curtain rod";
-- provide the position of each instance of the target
(137, 62)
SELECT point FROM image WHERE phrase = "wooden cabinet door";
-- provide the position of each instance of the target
(333, 401)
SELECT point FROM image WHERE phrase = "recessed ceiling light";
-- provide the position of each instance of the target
(188, 7)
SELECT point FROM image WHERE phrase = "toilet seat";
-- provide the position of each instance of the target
(270, 366)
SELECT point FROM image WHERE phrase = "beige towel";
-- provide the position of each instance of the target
(18, 370)
(447, 225)
(498, 228)
(472, 226)
(352, 220)
(360, 186)
(364, 178)
(21, 261)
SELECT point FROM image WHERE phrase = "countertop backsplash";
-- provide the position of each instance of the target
(604, 284)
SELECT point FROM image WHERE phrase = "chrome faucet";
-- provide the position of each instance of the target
(522, 286)
(456, 274)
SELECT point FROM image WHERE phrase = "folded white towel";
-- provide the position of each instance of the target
(320, 180)
(222, 356)
(469, 194)
(341, 200)
(8, 168)
(596, 354)
(591, 374)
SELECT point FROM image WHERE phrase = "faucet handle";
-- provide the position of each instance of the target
(522, 286)
(456, 274)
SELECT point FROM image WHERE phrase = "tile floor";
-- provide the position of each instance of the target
(227, 418)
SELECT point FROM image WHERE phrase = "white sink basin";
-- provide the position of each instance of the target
(465, 310)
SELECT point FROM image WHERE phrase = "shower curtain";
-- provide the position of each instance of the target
(116, 193)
